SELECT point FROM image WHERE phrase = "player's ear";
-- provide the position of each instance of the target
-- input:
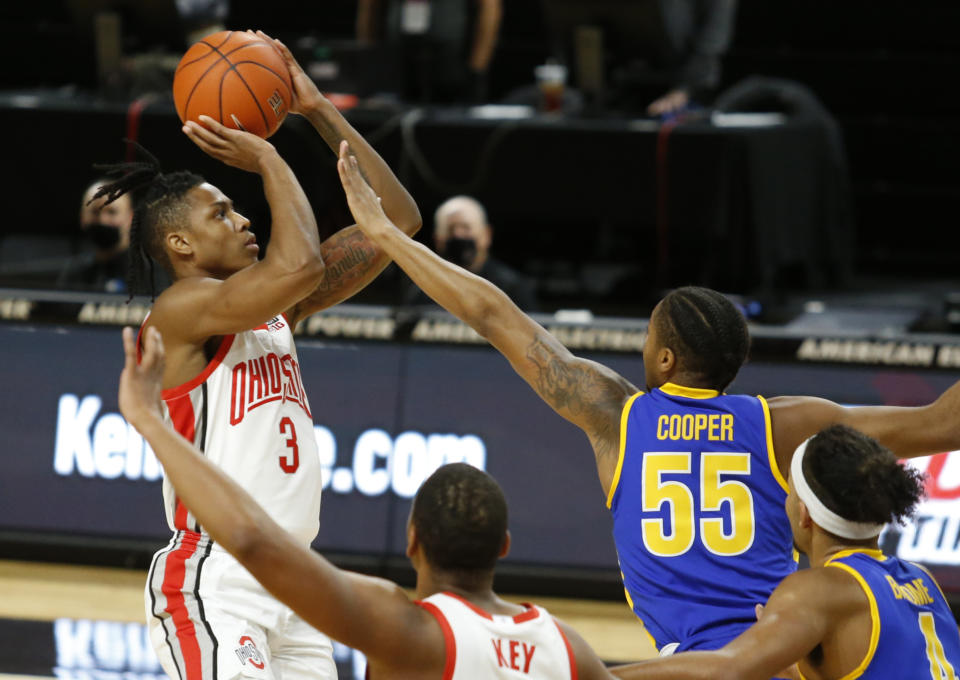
(505, 548)
(179, 242)
(412, 542)
(805, 520)
(666, 360)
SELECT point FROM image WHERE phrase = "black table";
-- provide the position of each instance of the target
(732, 207)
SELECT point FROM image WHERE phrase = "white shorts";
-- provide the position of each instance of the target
(669, 649)
(209, 619)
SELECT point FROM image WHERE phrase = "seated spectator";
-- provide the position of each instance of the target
(463, 235)
(105, 230)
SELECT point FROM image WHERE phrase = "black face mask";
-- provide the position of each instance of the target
(103, 236)
(461, 251)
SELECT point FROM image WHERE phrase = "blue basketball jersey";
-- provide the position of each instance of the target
(914, 634)
(698, 514)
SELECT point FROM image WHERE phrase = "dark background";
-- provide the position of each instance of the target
(886, 70)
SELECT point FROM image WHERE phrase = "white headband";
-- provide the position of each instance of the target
(821, 514)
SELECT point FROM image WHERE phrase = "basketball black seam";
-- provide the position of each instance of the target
(212, 51)
(196, 84)
(242, 80)
(267, 68)
(223, 57)
(263, 115)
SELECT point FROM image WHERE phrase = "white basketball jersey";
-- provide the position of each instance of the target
(481, 646)
(249, 415)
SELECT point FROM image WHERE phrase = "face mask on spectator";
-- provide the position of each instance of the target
(461, 251)
(103, 236)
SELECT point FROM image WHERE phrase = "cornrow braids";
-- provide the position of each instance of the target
(460, 515)
(859, 479)
(706, 331)
(159, 205)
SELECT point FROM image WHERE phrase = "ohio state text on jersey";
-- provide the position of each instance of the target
(249, 414)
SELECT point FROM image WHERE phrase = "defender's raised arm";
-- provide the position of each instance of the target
(584, 392)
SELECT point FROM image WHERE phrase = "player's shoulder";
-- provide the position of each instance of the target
(175, 309)
(836, 588)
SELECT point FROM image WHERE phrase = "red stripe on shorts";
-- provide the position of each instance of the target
(173, 578)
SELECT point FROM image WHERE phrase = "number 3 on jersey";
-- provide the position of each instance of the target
(290, 462)
(679, 499)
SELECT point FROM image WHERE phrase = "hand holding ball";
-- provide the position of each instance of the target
(236, 78)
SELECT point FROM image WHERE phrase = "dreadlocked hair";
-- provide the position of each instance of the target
(707, 333)
(159, 205)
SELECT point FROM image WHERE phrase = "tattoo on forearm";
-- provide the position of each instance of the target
(351, 259)
(580, 389)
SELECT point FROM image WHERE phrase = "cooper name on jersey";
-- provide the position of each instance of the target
(265, 379)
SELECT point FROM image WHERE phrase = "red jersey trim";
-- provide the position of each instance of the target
(570, 655)
(450, 643)
(185, 388)
(529, 615)
(184, 422)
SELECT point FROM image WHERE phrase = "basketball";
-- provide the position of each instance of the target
(235, 78)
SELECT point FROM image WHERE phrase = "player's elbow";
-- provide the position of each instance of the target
(494, 313)
(308, 273)
(411, 224)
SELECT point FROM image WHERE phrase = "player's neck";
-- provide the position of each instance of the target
(684, 379)
(826, 546)
(473, 586)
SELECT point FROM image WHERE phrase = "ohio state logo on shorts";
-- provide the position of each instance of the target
(247, 651)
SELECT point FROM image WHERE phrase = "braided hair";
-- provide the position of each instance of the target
(160, 206)
(707, 333)
(460, 515)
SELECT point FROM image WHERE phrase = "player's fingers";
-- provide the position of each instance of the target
(149, 349)
(153, 354)
(129, 348)
(158, 341)
(281, 48)
(203, 137)
(214, 128)
(346, 177)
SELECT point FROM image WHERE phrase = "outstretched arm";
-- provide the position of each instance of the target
(373, 615)
(584, 392)
(907, 431)
(352, 260)
(794, 621)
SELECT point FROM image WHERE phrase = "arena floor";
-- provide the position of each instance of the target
(85, 623)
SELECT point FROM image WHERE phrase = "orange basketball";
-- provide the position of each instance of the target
(236, 78)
